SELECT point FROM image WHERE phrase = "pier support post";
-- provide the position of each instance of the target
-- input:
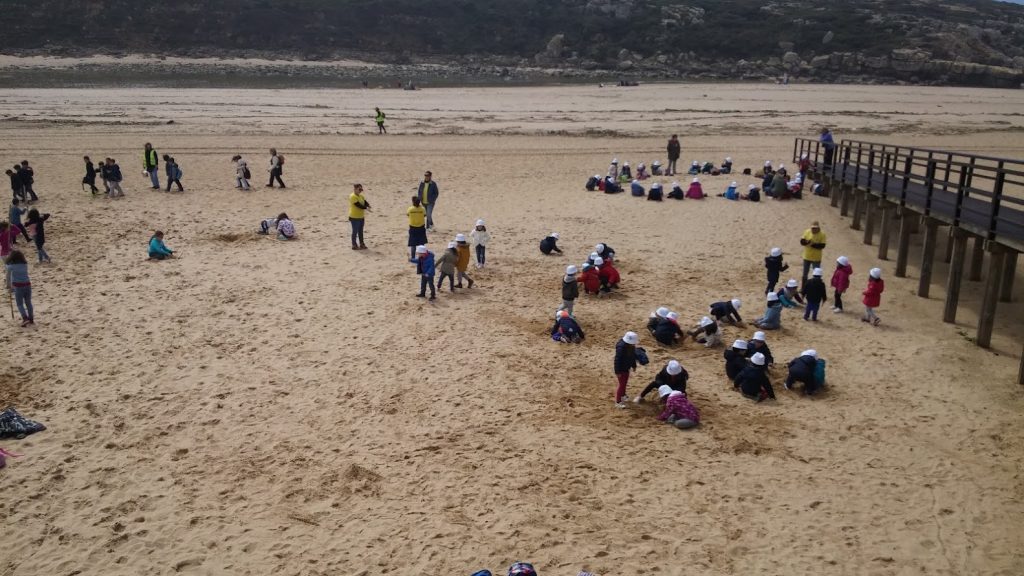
(844, 204)
(1009, 271)
(885, 219)
(834, 191)
(958, 240)
(931, 233)
(977, 259)
(949, 248)
(870, 215)
(987, 318)
(858, 208)
(903, 247)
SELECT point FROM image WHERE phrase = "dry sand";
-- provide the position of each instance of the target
(261, 407)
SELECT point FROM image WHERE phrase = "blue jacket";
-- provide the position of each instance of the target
(730, 193)
(425, 265)
(772, 319)
(625, 357)
(826, 141)
(157, 246)
(432, 192)
(14, 215)
(637, 190)
(568, 327)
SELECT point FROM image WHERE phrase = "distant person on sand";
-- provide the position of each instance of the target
(14, 215)
(706, 333)
(445, 265)
(425, 269)
(417, 227)
(813, 241)
(789, 295)
(357, 207)
(668, 332)
(804, 369)
(550, 244)
(772, 317)
(16, 187)
(21, 286)
(157, 249)
(90, 176)
(8, 238)
(735, 359)
(283, 224)
(28, 178)
(428, 194)
(774, 267)
(566, 329)
(674, 149)
(173, 173)
(380, 122)
(695, 191)
(727, 311)
(276, 168)
(570, 289)
(114, 178)
(758, 344)
(829, 145)
(480, 237)
(625, 360)
(242, 173)
(814, 293)
(841, 282)
(38, 221)
(462, 248)
(150, 164)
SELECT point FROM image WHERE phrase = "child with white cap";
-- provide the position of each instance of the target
(655, 194)
(815, 293)
(772, 318)
(672, 375)
(590, 278)
(753, 193)
(566, 329)
(668, 332)
(730, 192)
(735, 359)
(637, 189)
(803, 369)
(726, 166)
(425, 269)
(613, 169)
(789, 295)
(480, 237)
(593, 183)
(841, 281)
(641, 172)
(727, 311)
(604, 251)
(608, 274)
(550, 244)
(627, 173)
(706, 333)
(677, 192)
(695, 191)
(679, 412)
(462, 263)
(758, 344)
(625, 360)
(656, 168)
(694, 168)
(753, 380)
(570, 289)
(445, 265)
(655, 318)
(774, 267)
(873, 296)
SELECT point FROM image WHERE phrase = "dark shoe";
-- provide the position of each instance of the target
(433, 297)
(362, 247)
(459, 285)
(354, 247)
(421, 295)
(471, 283)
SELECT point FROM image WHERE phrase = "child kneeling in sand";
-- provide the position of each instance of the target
(284, 226)
(566, 329)
(157, 249)
(678, 411)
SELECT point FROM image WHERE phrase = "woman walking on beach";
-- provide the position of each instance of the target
(276, 168)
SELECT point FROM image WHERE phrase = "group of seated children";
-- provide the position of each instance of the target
(282, 224)
(776, 182)
(697, 167)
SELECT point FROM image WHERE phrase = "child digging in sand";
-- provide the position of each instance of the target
(157, 249)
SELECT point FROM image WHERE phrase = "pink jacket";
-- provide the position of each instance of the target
(695, 191)
(841, 278)
(6, 241)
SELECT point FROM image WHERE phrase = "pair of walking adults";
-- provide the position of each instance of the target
(420, 214)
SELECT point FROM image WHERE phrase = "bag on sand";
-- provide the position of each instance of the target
(14, 424)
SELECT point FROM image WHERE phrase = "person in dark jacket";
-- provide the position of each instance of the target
(428, 194)
(150, 164)
(667, 331)
(780, 186)
(656, 317)
(815, 293)
(727, 311)
(173, 173)
(706, 333)
(672, 375)
(611, 186)
(28, 178)
(655, 193)
(830, 147)
(767, 178)
(753, 193)
(425, 270)
(774, 266)
(114, 178)
(550, 244)
(625, 360)
(735, 359)
(16, 188)
(606, 252)
(758, 345)
(570, 289)
(39, 236)
(90, 176)
(673, 149)
(753, 380)
(593, 183)
(802, 369)
(726, 166)
(677, 192)
(566, 329)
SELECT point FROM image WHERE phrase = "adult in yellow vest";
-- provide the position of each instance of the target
(150, 165)
(813, 242)
(357, 207)
(380, 122)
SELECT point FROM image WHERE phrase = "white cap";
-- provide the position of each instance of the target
(675, 184)
(792, 283)
(759, 336)
(626, 163)
(773, 297)
(673, 316)
(736, 303)
(558, 313)
(776, 252)
(598, 261)
(661, 312)
(460, 237)
(817, 272)
(593, 255)
(664, 390)
(421, 249)
(705, 321)
(751, 187)
(767, 162)
(599, 248)
(804, 155)
(656, 185)
(757, 359)
(451, 244)
(875, 273)
(740, 344)
(615, 160)
(631, 338)
(695, 163)
(480, 222)
(696, 180)
(554, 235)
(843, 260)
(674, 367)
(570, 270)
(728, 158)
(641, 165)
(656, 163)
(597, 176)
(782, 166)
(733, 185)
(812, 353)
(675, 393)
(635, 181)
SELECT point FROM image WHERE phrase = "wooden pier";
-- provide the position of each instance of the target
(980, 199)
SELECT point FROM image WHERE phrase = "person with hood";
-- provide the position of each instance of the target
(780, 185)
(841, 282)
(873, 296)
(672, 375)
(242, 174)
(813, 241)
(706, 333)
(814, 293)
(613, 170)
(695, 191)
(157, 249)
(481, 237)
(611, 186)
(445, 265)
(655, 193)
(772, 318)
(753, 380)
(627, 173)
(637, 189)
(789, 295)
(735, 359)
(39, 234)
(677, 192)
(428, 194)
(803, 369)
(608, 274)
(90, 175)
(593, 183)
(753, 193)
(114, 178)
(774, 267)
(655, 318)
(590, 278)
(726, 166)
(550, 244)
(625, 360)
(667, 332)
(566, 329)
(150, 164)
(417, 227)
(758, 345)
(679, 412)
(674, 150)
(570, 289)
(694, 168)
(605, 251)
(173, 172)
(727, 311)
(425, 269)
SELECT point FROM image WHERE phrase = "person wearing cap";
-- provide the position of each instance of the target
(708, 168)
(780, 185)
(613, 169)
(425, 268)
(677, 192)
(789, 295)
(608, 274)
(727, 311)
(753, 193)
(656, 169)
(417, 226)
(590, 278)
(774, 267)
(462, 262)
(767, 177)
(655, 194)
(803, 369)
(679, 412)
(626, 174)
(694, 168)
(813, 241)
(605, 251)
(357, 207)
(814, 293)
(695, 191)
(735, 359)
(772, 318)
(641, 172)
(672, 375)
(753, 380)
(667, 332)
(593, 183)
(830, 146)
(804, 167)
(625, 360)
(726, 166)
(730, 192)
(566, 329)
(428, 193)
(655, 318)
(759, 345)
(706, 333)
(445, 265)
(480, 237)
(611, 186)
(873, 296)
(550, 244)
(570, 289)
(841, 282)
(637, 189)
(674, 149)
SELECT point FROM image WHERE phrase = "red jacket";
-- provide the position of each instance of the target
(591, 280)
(610, 274)
(841, 278)
(873, 293)
(695, 191)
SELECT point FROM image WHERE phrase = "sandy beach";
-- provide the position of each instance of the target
(264, 407)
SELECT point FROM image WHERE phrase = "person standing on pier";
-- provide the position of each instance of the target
(830, 146)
